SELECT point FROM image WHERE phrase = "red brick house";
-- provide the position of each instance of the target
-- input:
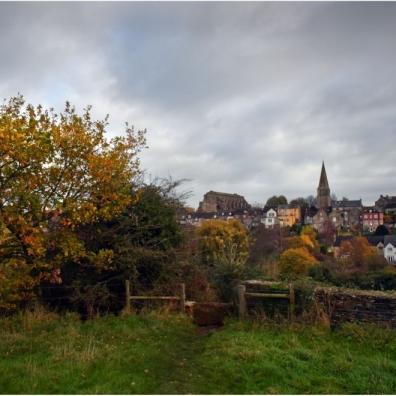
(371, 218)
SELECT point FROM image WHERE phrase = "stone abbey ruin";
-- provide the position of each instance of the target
(217, 201)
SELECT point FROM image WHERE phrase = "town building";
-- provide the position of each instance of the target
(217, 201)
(390, 248)
(321, 220)
(371, 218)
(270, 218)
(345, 214)
(384, 200)
(288, 215)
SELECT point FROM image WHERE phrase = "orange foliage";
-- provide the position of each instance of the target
(58, 172)
(295, 262)
(222, 240)
(357, 251)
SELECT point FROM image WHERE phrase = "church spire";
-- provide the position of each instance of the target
(323, 183)
(323, 196)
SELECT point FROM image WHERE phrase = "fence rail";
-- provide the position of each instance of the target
(181, 297)
(266, 292)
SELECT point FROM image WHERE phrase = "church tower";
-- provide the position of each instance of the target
(323, 197)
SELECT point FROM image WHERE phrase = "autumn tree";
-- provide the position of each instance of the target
(328, 232)
(358, 256)
(57, 172)
(358, 265)
(224, 247)
(301, 241)
(296, 262)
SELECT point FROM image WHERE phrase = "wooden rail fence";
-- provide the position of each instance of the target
(181, 297)
(264, 290)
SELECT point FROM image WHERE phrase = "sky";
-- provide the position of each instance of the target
(244, 98)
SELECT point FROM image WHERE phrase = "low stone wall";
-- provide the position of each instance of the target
(345, 305)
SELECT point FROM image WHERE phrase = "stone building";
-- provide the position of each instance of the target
(385, 201)
(321, 220)
(217, 201)
(338, 215)
(346, 214)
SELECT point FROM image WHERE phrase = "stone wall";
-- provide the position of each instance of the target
(346, 305)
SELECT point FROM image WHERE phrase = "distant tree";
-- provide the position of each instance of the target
(300, 201)
(333, 197)
(296, 262)
(328, 232)
(265, 244)
(222, 240)
(276, 201)
(311, 200)
(257, 205)
(345, 199)
(309, 231)
(357, 253)
(223, 247)
(381, 230)
(302, 241)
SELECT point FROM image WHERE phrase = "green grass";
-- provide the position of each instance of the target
(154, 353)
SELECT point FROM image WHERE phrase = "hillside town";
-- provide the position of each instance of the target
(334, 220)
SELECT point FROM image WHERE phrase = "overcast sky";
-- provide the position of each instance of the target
(244, 98)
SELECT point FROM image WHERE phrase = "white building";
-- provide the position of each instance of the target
(390, 248)
(270, 218)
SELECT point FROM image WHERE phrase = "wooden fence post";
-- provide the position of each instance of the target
(292, 301)
(182, 297)
(127, 297)
(242, 307)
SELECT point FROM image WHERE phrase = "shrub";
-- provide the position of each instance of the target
(296, 262)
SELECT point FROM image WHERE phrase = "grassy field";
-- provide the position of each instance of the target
(43, 353)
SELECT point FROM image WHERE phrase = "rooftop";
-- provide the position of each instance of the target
(348, 203)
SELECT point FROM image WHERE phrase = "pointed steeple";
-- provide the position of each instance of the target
(323, 178)
(323, 196)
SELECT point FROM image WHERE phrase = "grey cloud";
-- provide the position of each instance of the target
(240, 97)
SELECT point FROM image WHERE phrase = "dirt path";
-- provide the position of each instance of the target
(185, 364)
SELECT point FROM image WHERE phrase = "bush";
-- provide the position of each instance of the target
(294, 263)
